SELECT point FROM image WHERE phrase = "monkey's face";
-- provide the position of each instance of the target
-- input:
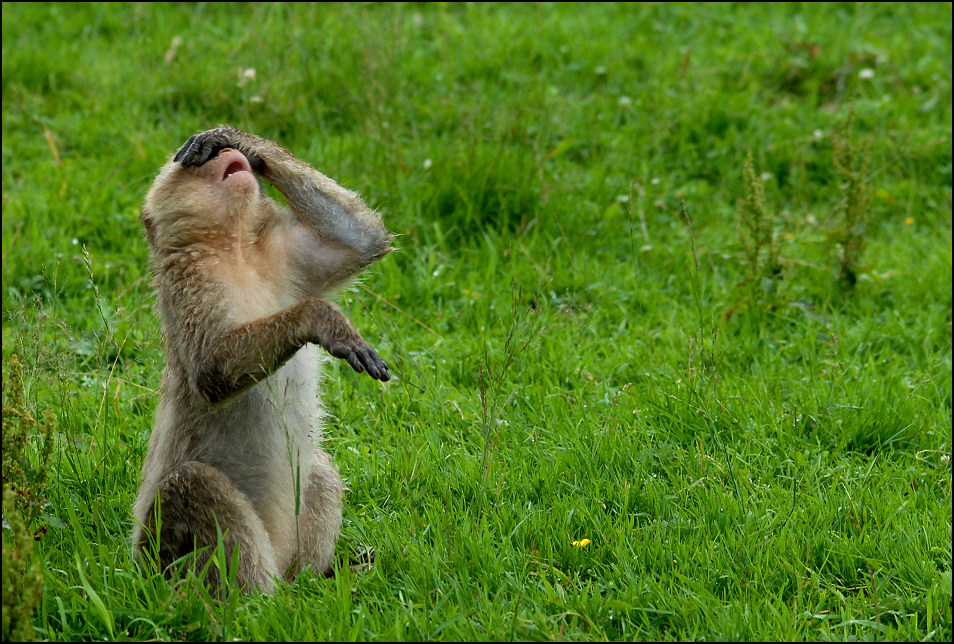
(190, 204)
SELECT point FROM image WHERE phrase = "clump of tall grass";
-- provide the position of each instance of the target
(24, 485)
(847, 235)
(757, 234)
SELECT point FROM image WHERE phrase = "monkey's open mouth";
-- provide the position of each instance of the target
(233, 168)
(234, 162)
(236, 166)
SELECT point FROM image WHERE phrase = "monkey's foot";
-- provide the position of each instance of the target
(362, 559)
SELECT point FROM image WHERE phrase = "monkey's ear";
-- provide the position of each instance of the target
(150, 227)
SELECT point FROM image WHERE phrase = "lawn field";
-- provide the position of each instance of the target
(669, 322)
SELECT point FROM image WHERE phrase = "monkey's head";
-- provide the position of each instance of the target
(194, 202)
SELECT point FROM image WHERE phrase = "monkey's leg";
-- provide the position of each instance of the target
(194, 500)
(319, 521)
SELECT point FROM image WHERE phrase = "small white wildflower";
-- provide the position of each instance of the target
(818, 135)
(256, 99)
(75, 241)
(600, 70)
(945, 458)
(625, 101)
(866, 74)
(655, 181)
(245, 75)
(766, 176)
(622, 198)
(427, 164)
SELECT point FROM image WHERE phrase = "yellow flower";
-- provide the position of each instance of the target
(582, 543)
(909, 221)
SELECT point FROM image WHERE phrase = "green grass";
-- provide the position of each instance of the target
(753, 456)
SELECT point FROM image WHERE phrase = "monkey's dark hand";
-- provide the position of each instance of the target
(361, 357)
(335, 333)
(205, 146)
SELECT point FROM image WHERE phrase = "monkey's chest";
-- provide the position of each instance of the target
(250, 292)
(272, 429)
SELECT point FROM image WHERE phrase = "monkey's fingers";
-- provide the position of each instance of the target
(198, 150)
(184, 154)
(202, 147)
(362, 359)
(367, 359)
(375, 366)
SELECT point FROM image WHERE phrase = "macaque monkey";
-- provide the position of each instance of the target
(241, 283)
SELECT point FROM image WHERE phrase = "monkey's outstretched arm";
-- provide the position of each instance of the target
(332, 211)
(252, 352)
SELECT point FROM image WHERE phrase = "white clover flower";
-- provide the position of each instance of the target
(245, 75)
(866, 74)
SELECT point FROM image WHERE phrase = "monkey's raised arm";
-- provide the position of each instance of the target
(252, 352)
(335, 213)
